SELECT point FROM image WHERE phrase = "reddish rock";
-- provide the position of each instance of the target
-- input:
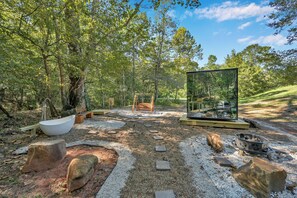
(261, 177)
(80, 171)
(214, 140)
(44, 155)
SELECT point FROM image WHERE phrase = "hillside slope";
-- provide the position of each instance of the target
(276, 108)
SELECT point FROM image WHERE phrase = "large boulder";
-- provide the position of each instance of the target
(214, 140)
(261, 177)
(44, 155)
(80, 171)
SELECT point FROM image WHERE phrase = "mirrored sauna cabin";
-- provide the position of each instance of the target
(213, 94)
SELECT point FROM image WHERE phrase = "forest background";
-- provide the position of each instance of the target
(80, 53)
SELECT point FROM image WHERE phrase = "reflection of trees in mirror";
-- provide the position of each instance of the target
(212, 94)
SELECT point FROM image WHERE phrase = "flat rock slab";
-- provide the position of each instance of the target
(165, 194)
(160, 148)
(261, 177)
(156, 137)
(222, 161)
(111, 132)
(162, 165)
(153, 131)
(148, 125)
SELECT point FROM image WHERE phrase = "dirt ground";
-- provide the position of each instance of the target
(273, 114)
(144, 180)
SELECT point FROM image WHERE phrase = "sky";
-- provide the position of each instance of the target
(220, 26)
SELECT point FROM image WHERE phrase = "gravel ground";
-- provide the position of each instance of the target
(220, 182)
(135, 134)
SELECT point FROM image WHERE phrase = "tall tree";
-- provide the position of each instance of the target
(254, 64)
(284, 18)
(186, 53)
(160, 45)
(211, 63)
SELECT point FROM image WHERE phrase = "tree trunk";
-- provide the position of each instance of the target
(176, 91)
(60, 66)
(156, 83)
(76, 88)
(21, 101)
(62, 82)
(47, 74)
(133, 71)
(158, 65)
(76, 92)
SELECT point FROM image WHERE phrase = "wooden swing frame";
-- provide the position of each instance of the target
(143, 106)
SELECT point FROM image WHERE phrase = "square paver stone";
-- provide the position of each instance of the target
(162, 165)
(153, 131)
(156, 137)
(165, 194)
(223, 162)
(160, 148)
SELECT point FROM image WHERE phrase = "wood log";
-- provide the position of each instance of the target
(214, 140)
(5, 112)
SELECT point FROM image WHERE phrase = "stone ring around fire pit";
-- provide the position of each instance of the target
(251, 143)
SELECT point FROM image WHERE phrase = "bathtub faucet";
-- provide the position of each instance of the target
(44, 106)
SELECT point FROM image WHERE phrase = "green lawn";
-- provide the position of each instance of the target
(279, 95)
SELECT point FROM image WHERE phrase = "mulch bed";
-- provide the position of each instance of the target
(52, 183)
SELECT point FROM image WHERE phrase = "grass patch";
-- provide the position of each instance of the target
(281, 95)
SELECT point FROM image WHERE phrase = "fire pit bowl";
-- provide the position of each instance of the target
(251, 143)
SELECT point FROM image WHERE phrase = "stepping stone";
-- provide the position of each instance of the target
(158, 137)
(223, 162)
(92, 132)
(153, 131)
(160, 148)
(111, 132)
(162, 165)
(165, 194)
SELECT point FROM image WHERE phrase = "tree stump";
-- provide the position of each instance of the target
(45, 155)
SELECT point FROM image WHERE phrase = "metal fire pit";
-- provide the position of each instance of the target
(250, 143)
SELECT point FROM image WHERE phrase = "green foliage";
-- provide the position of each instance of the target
(256, 71)
(284, 17)
(72, 50)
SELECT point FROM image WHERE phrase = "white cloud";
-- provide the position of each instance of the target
(243, 26)
(244, 40)
(232, 10)
(171, 13)
(188, 13)
(278, 40)
(273, 40)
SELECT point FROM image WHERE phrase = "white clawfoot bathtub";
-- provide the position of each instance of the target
(57, 126)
